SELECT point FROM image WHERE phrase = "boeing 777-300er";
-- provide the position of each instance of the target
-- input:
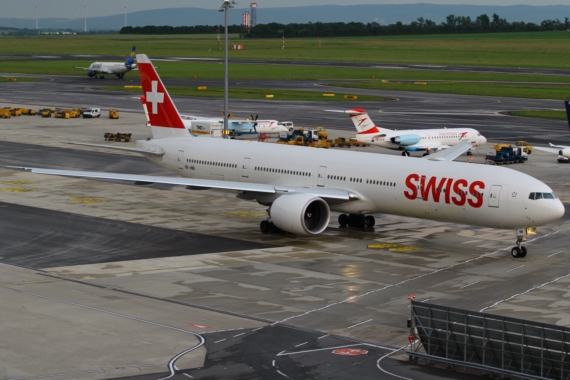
(301, 185)
(99, 69)
(411, 140)
(561, 150)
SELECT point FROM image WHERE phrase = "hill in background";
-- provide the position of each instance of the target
(383, 14)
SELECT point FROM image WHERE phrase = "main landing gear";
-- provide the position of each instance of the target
(406, 153)
(519, 250)
(356, 220)
(267, 227)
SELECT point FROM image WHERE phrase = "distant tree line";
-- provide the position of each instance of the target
(452, 25)
(165, 29)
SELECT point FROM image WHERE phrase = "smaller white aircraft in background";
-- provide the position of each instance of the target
(563, 151)
(99, 69)
(411, 140)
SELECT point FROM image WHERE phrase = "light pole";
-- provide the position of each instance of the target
(224, 8)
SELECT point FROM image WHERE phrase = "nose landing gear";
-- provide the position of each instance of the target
(520, 250)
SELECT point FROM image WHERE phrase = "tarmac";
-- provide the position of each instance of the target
(106, 280)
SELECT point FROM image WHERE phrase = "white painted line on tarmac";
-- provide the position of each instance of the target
(219, 341)
(239, 334)
(185, 374)
(273, 364)
(284, 353)
(473, 283)
(515, 268)
(324, 336)
(358, 324)
(282, 374)
(554, 254)
(424, 301)
(302, 344)
(259, 328)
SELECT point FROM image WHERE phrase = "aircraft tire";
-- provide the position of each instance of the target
(523, 252)
(360, 221)
(264, 226)
(352, 220)
(516, 252)
(369, 221)
(343, 220)
(404, 154)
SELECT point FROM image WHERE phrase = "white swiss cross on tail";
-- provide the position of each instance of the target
(155, 97)
(163, 116)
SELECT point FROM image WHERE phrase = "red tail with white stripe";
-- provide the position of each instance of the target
(364, 125)
(164, 119)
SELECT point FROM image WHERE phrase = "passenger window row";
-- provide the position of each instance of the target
(212, 163)
(336, 178)
(282, 171)
(380, 183)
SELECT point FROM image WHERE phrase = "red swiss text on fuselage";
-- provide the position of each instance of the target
(446, 190)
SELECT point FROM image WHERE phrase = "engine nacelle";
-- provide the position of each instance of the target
(565, 152)
(91, 73)
(300, 214)
(405, 140)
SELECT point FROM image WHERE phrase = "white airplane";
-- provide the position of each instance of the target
(238, 128)
(301, 186)
(99, 69)
(561, 150)
(412, 140)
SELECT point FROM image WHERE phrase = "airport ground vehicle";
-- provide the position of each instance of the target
(5, 114)
(526, 148)
(113, 113)
(13, 111)
(126, 137)
(45, 112)
(506, 155)
(28, 111)
(92, 112)
(340, 142)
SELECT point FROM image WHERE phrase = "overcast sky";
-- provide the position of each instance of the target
(74, 8)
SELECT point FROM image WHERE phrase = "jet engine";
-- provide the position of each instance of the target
(565, 152)
(300, 214)
(91, 73)
(406, 139)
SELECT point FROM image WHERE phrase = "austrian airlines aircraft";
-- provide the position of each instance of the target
(412, 140)
(98, 69)
(561, 150)
(302, 185)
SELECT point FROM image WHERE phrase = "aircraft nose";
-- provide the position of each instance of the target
(556, 210)
(483, 140)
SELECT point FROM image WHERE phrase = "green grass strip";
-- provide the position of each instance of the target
(527, 90)
(253, 93)
(551, 114)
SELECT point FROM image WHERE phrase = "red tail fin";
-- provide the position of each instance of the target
(162, 112)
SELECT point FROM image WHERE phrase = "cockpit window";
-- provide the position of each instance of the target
(542, 196)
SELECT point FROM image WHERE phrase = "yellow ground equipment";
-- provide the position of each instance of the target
(356, 143)
(5, 114)
(302, 141)
(28, 111)
(126, 137)
(340, 142)
(13, 111)
(321, 133)
(498, 147)
(113, 113)
(526, 148)
(45, 112)
(62, 114)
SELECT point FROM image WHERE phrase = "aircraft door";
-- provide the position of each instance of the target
(180, 159)
(494, 194)
(321, 176)
(473, 138)
(245, 168)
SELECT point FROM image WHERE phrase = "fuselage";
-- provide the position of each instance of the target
(111, 67)
(433, 139)
(443, 191)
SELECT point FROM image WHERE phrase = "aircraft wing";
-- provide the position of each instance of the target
(449, 154)
(330, 194)
(553, 149)
(559, 146)
(124, 149)
(82, 68)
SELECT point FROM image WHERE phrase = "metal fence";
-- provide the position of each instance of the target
(491, 342)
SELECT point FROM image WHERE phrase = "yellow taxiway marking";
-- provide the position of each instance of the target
(394, 247)
(17, 190)
(87, 200)
(244, 214)
(20, 182)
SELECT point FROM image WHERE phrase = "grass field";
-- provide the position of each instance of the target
(533, 91)
(533, 49)
(553, 115)
(218, 92)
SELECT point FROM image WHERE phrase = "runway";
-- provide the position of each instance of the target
(136, 275)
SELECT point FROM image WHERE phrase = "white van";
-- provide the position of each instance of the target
(92, 112)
